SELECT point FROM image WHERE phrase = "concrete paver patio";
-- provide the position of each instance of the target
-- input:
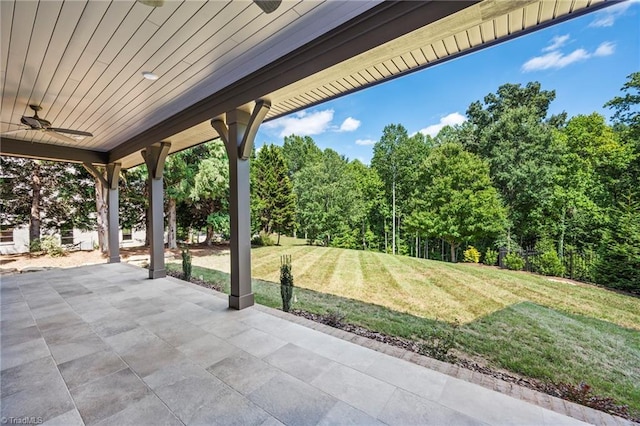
(103, 345)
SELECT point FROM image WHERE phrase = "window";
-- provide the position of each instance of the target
(126, 234)
(66, 237)
(6, 235)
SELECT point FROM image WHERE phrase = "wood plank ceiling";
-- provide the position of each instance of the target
(82, 60)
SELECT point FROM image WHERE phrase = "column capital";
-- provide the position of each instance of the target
(155, 156)
(113, 175)
(246, 126)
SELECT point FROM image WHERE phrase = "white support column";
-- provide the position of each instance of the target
(154, 157)
(238, 134)
(113, 219)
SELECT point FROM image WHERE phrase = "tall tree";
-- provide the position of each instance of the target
(300, 151)
(511, 133)
(179, 175)
(326, 195)
(455, 199)
(592, 159)
(369, 201)
(210, 190)
(45, 195)
(626, 116)
(396, 157)
(274, 191)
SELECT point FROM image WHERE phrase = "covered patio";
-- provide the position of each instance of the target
(105, 345)
(116, 344)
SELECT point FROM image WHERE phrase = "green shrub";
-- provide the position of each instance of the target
(186, 263)
(437, 342)
(514, 261)
(51, 246)
(286, 282)
(35, 245)
(262, 240)
(547, 261)
(335, 318)
(490, 257)
(471, 255)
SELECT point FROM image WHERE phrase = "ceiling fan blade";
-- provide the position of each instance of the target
(70, 132)
(268, 6)
(10, 132)
(57, 135)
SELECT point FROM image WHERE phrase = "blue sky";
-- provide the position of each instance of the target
(585, 60)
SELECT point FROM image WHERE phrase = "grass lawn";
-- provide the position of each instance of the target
(527, 324)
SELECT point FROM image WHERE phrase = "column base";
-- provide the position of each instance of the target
(241, 302)
(159, 273)
(115, 259)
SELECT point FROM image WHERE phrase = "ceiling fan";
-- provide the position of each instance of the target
(42, 125)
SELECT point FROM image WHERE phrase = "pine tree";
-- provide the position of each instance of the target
(274, 191)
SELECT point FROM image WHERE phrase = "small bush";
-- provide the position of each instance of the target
(262, 240)
(186, 263)
(549, 263)
(514, 261)
(335, 318)
(286, 282)
(471, 255)
(51, 246)
(438, 342)
(35, 245)
(490, 257)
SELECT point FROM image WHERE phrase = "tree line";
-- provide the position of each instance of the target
(511, 175)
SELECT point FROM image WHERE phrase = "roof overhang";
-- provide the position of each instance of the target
(378, 42)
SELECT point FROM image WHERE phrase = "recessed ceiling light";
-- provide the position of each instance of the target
(149, 75)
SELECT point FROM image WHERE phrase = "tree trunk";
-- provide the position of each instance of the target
(209, 237)
(417, 246)
(147, 226)
(453, 252)
(102, 220)
(278, 243)
(426, 248)
(393, 192)
(386, 236)
(36, 187)
(563, 228)
(172, 237)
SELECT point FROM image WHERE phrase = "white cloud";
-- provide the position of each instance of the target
(555, 59)
(448, 120)
(302, 123)
(605, 49)
(349, 125)
(556, 43)
(608, 16)
(365, 142)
